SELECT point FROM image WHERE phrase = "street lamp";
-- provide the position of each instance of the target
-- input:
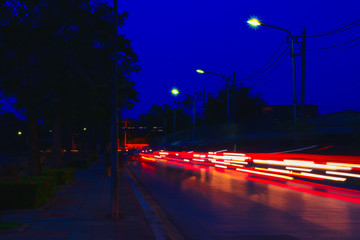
(256, 23)
(176, 92)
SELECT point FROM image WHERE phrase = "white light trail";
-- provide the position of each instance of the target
(343, 174)
(199, 160)
(300, 164)
(323, 176)
(266, 174)
(279, 170)
(220, 166)
(299, 169)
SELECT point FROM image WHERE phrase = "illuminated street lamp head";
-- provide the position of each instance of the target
(254, 22)
(19, 132)
(200, 71)
(175, 91)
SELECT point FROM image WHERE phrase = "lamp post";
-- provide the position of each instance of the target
(114, 199)
(256, 23)
(176, 92)
(200, 71)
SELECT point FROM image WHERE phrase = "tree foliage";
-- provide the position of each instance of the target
(57, 60)
(248, 107)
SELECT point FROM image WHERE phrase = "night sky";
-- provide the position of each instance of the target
(174, 38)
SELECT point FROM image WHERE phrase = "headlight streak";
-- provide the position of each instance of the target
(239, 162)
(148, 158)
(234, 154)
(229, 157)
(300, 164)
(266, 174)
(237, 165)
(214, 161)
(279, 170)
(199, 160)
(344, 164)
(294, 168)
(343, 174)
(288, 173)
(324, 176)
(299, 169)
(220, 166)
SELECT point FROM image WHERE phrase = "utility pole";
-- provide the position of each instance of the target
(234, 98)
(125, 122)
(174, 120)
(194, 118)
(204, 104)
(114, 126)
(228, 98)
(303, 63)
(203, 115)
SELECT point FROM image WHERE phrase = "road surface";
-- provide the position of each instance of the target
(206, 202)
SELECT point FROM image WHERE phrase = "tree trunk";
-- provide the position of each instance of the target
(34, 143)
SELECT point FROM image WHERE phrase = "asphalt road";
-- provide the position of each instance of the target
(212, 203)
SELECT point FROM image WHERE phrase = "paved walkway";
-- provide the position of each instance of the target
(80, 211)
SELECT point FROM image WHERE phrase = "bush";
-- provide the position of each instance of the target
(80, 163)
(61, 175)
(26, 192)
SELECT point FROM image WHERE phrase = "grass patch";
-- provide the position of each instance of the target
(9, 225)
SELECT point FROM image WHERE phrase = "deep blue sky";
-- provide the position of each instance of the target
(173, 39)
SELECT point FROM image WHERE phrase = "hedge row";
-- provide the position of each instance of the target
(62, 175)
(26, 192)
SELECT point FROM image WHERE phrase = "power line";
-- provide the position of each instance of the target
(286, 50)
(341, 44)
(327, 55)
(217, 87)
(256, 74)
(342, 29)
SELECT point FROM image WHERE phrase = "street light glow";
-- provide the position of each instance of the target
(200, 71)
(254, 22)
(19, 132)
(175, 91)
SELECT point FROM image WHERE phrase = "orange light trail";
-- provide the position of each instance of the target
(148, 158)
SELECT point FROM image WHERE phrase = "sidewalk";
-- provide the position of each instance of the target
(80, 211)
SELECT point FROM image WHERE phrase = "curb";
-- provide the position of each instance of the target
(170, 228)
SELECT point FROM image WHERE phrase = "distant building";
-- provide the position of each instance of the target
(342, 122)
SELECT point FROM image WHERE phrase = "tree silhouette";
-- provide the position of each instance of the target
(57, 61)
